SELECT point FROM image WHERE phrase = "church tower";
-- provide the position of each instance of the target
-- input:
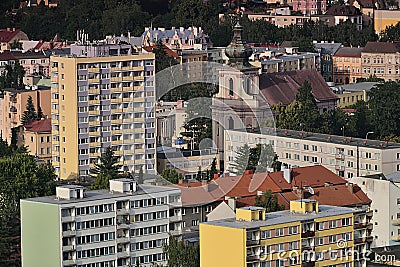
(237, 103)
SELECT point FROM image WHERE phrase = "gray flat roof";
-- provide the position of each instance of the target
(94, 195)
(358, 87)
(326, 138)
(285, 216)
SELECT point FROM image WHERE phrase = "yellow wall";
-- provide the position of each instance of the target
(249, 215)
(222, 246)
(385, 18)
(297, 206)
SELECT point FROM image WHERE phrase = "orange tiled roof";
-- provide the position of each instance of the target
(43, 125)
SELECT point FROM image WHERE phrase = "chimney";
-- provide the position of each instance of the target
(216, 175)
(248, 172)
(350, 186)
(179, 104)
(287, 174)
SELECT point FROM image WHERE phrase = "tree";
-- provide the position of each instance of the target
(268, 201)
(384, 104)
(213, 169)
(257, 159)
(276, 164)
(107, 169)
(171, 175)
(163, 60)
(181, 254)
(29, 114)
(302, 114)
(40, 113)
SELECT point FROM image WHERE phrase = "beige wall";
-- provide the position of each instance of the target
(37, 143)
(346, 69)
(18, 104)
(382, 65)
(350, 98)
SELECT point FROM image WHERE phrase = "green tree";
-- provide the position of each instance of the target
(29, 114)
(257, 159)
(40, 113)
(181, 254)
(171, 175)
(384, 104)
(268, 201)
(107, 169)
(163, 60)
(213, 169)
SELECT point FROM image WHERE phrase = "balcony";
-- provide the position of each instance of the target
(69, 233)
(396, 222)
(69, 262)
(68, 219)
(308, 234)
(175, 218)
(369, 213)
(339, 168)
(94, 91)
(361, 240)
(308, 264)
(123, 240)
(252, 242)
(94, 80)
(117, 89)
(97, 70)
(370, 226)
(123, 254)
(122, 211)
(339, 156)
(94, 112)
(252, 258)
(175, 232)
(116, 79)
(123, 224)
(68, 248)
(360, 225)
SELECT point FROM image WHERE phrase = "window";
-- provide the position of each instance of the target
(195, 222)
(332, 224)
(292, 230)
(314, 148)
(265, 234)
(332, 239)
(279, 232)
(230, 87)
(346, 221)
(305, 147)
(195, 210)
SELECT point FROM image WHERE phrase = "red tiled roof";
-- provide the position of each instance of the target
(169, 52)
(43, 125)
(382, 47)
(343, 11)
(7, 55)
(281, 87)
(349, 52)
(339, 195)
(7, 34)
(314, 176)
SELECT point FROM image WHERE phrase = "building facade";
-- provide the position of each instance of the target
(385, 196)
(382, 60)
(348, 157)
(10, 35)
(13, 105)
(347, 65)
(305, 235)
(309, 7)
(384, 19)
(103, 96)
(125, 226)
(36, 137)
(326, 51)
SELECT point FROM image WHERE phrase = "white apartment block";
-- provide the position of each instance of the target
(348, 157)
(385, 196)
(125, 226)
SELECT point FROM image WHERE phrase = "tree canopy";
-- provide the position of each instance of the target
(29, 114)
(106, 169)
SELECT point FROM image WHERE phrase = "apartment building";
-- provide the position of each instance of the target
(326, 51)
(125, 226)
(385, 196)
(306, 235)
(338, 14)
(10, 35)
(346, 156)
(13, 104)
(350, 94)
(102, 95)
(36, 137)
(347, 65)
(381, 59)
(309, 7)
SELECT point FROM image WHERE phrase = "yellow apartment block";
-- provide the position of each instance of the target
(306, 235)
(384, 19)
(95, 105)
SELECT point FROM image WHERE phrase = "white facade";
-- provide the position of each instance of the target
(345, 156)
(385, 196)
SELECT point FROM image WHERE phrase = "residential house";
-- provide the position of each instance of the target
(382, 60)
(13, 104)
(350, 94)
(326, 51)
(337, 14)
(309, 7)
(9, 36)
(36, 137)
(347, 65)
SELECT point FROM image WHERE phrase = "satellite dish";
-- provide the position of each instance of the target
(311, 190)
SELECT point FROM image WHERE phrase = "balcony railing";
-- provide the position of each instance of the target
(252, 242)
(252, 258)
(360, 225)
(69, 233)
(307, 234)
(339, 156)
(308, 264)
(396, 222)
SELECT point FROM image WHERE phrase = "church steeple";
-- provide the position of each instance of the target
(238, 51)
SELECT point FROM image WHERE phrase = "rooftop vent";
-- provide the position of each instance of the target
(123, 185)
(69, 192)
